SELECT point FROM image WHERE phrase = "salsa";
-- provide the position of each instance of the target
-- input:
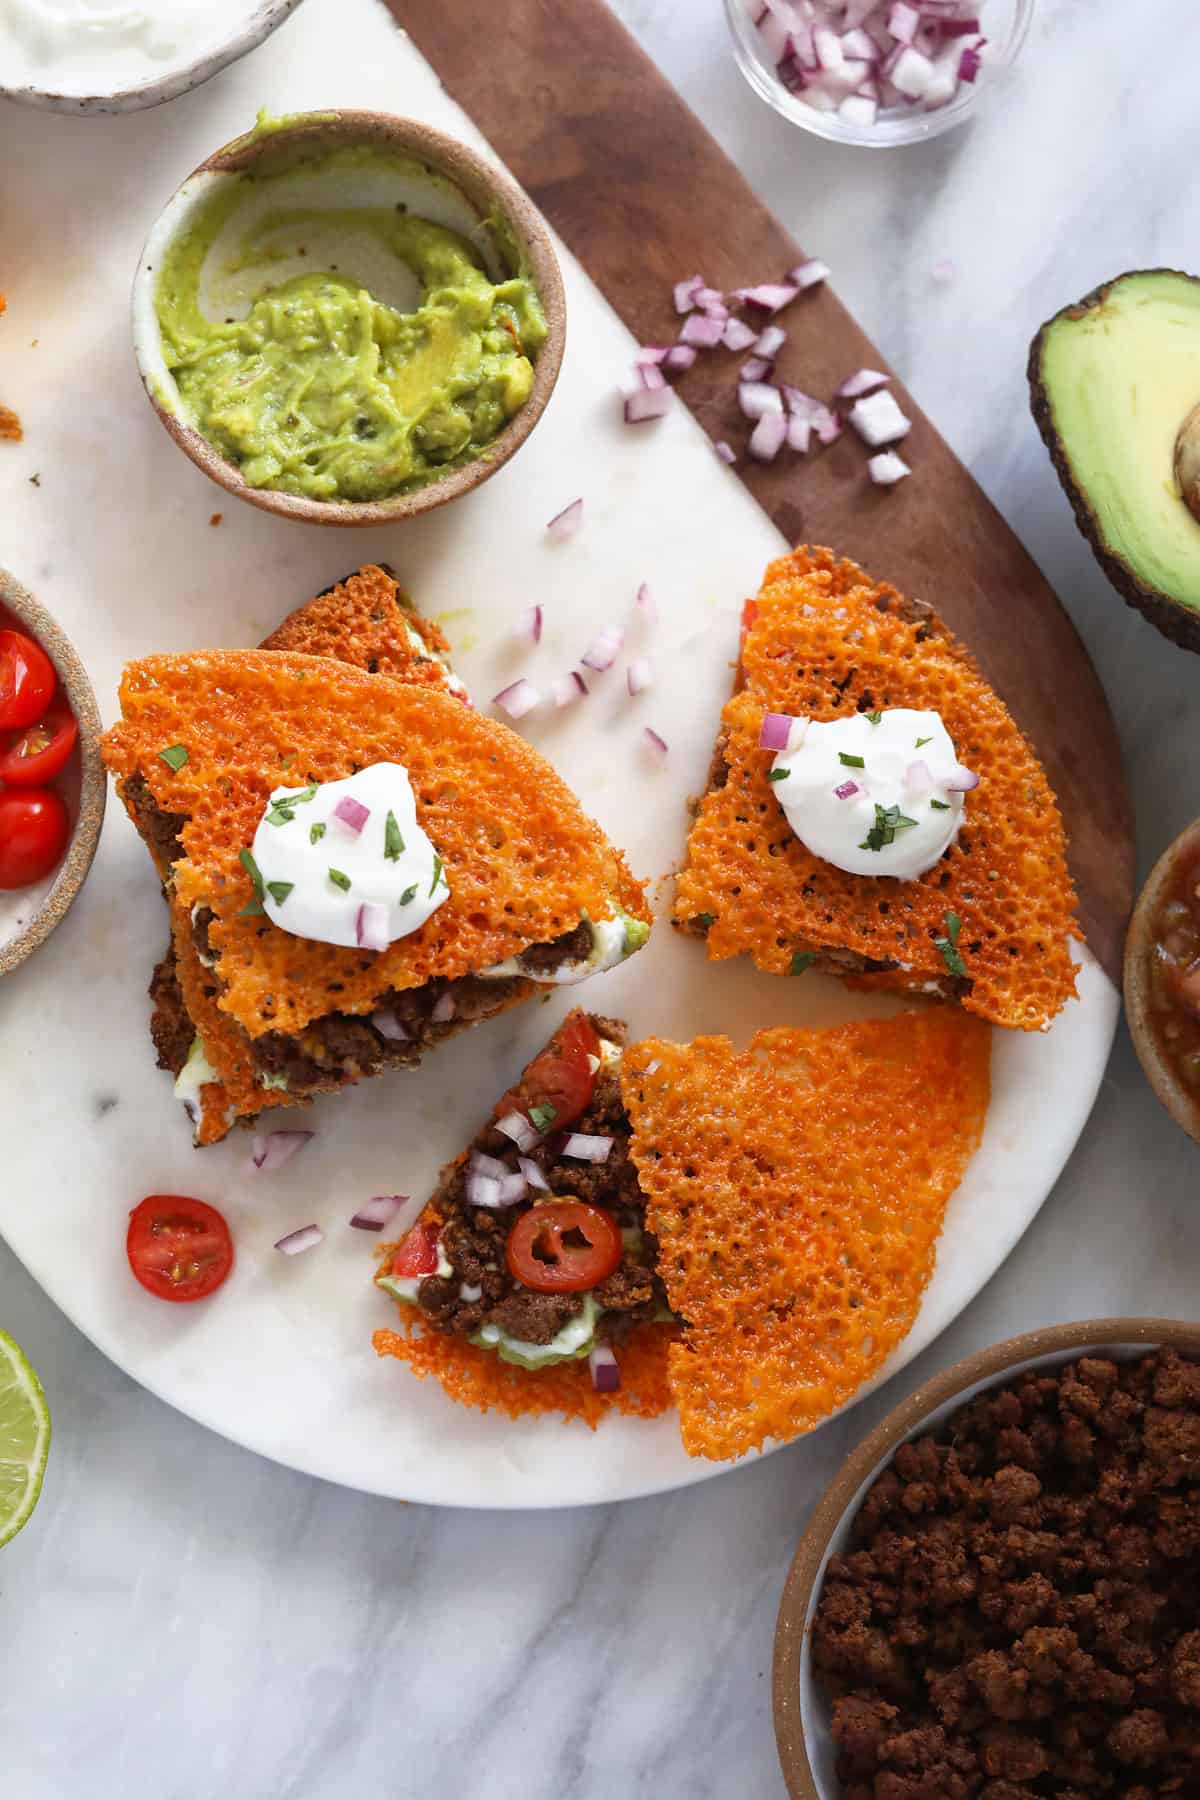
(1175, 973)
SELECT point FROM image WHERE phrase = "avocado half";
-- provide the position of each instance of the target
(1115, 388)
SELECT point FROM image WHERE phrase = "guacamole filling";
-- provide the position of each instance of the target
(473, 1294)
(341, 354)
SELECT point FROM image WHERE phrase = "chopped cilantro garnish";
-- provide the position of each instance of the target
(316, 833)
(409, 895)
(542, 1117)
(279, 890)
(282, 812)
(873, 718)
(437, 873)
(851, 762)
(940, 805)
(921, 741)
(393, 843)
(778, 774)
(251, 867)
(801, 961)
(948, 945)
(705, 920)
(340, 880)
(888, 821)
(253, 910)
(175, 755)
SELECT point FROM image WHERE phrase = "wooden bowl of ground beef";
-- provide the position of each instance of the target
(999, 1597)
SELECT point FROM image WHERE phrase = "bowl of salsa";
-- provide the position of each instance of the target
(1162, 979)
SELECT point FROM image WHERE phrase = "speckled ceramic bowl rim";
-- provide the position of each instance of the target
(93, 786)
(260, 22)
(986, 1368)
(483, 187)
(1159, 1071)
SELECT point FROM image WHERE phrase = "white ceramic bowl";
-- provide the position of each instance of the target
(1004, 23)
(171, 77)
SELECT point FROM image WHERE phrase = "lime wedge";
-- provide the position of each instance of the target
(24, 1438)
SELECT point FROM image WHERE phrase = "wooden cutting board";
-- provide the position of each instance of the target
(615, 160)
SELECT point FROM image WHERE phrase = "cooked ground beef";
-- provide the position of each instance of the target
(574, 946)
(161, 830)
(171, 1029)
(1017, 1614)
(474, 1237)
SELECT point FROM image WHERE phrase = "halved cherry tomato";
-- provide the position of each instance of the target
(563, 1246)
(35, 754)
(562, 1077)
(34, 829)
(26, 680)
(178, 1248)
(417, 1251)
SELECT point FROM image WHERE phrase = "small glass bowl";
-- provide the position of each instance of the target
(1005, 24)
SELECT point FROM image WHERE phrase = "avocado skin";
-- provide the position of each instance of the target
(1179, 623)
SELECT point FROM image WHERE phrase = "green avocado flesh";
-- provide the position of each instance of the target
(309, 381)
(1114, 378)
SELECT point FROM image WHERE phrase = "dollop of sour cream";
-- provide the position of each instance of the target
(325, 879)
(102, 46)
(871, 793)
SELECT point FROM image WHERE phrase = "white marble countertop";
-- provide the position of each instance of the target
(184, 1619)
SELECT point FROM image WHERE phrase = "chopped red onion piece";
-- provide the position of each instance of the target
(887, 469)
(481, 1164)
(650, 375)
(725, 452)
(863, 381)
(770, 342)
(685, 293)
(960, 780)
(702, 330)
(605, 1371)
(711, 299)
(737, 335)
(858, 45)
(679, 358)
(847, 790)
(758, 397)
(829, 50)
(351, 813)
(444, 1009)
(651, 353)
(568, 688)
(911, 73)
(826, 424)
(654, 741)
(799, 432)
(530, 624)
(602, 652)
(808, 274)
(769, 296)
(878, 420)
(533, 1174)
(638, 676)
(755, 368)
(943, 270)
(583, 1146)
(645, 603)
(859, 109)
(917, 776)
(767, 438)
(273, 1148)
(566, 523)
(371, 926)
(517, 699)
(516, 1127)
(389, 1027)
(647, 404)
(903, 22)
(374, 1214)
(775, 730)
(495, 1191)
(307, 1238)
(969, 65)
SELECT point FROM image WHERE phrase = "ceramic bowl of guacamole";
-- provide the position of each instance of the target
(348, 318)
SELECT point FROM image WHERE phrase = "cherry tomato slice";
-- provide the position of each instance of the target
(563, 1246)
(179, 1249)
(27, 680)
(35, 754)
(417, 1251)
(562, 1077)
(34, 829)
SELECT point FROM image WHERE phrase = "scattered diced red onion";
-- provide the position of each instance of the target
(799, 432)
(351, 813)
(568, 688)
(374, 1214)
(758, 397)
(887, 468)
(371, 926)
(650, 375)
(584, 1146)
(493, 1191)
(770, 342)
(444, 1009)
(533, 1174)
(602, 652)
(566, 523)
(530, 624)
(517, 1128)
(769, 296)
(651, 353)
(654, 742)
(517, 699)
(389, 1027)
(737, 335)
(755, 368)
(307, 1238)
(775, 730)
(863, 381)
(605, 1371)
(960, 780)
(724, 452)
(808, 274)
(878, 420)
(679, 359)
(768, 437)
(273, 1148)
(645, 604)
(903, 22)
(702, 330)
(647, 404)
(638, 676)
(482, 1164)
(685, 293)
(847, 790)
(712, 300)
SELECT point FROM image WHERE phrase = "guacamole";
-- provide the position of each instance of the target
(310, 381)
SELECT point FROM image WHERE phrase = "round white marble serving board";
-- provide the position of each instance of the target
(116, 539)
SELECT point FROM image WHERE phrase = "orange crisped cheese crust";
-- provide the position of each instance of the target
(477, 1377)
(797, 1191)
(10, 426)
(523, 861)
(824, 640)
(364, 620)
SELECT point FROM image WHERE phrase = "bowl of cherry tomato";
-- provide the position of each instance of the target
(52, 786)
